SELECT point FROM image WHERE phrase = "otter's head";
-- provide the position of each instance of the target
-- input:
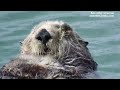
(52, 38)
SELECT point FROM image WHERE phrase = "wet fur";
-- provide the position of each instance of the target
(67, 57)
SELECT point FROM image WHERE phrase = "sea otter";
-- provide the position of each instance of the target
(52, 50)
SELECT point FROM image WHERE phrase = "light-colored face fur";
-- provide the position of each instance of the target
(62, 39)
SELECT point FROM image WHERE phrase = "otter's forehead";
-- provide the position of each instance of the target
(51, 26)
(48, 24)
(52, 23)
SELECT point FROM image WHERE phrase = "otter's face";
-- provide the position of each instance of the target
(45, 38)
(53, 38)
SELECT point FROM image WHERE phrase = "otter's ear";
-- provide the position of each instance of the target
(86, 43)
(21, 42)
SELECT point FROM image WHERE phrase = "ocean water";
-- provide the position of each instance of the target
(102, 33)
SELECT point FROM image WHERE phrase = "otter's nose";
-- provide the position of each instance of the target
(43, 36)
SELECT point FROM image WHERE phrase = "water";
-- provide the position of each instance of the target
(102, 33)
